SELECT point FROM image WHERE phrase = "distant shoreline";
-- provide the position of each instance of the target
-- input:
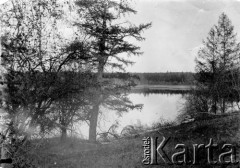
(177, 89)
(165, 87)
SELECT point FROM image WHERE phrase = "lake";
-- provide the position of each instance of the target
(156, 108)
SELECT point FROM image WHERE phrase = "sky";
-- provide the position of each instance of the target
(3, 1)
(178, 29)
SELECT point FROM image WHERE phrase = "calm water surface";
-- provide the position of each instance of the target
(156, 108)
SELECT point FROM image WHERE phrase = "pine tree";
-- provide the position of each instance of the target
(216, 61)
(108, 37)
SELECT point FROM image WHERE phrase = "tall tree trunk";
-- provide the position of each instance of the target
(95, 110)
(63, 133)
(93, 123)
(214, 107)
(223, 105)
(42, 130)
(101, 62)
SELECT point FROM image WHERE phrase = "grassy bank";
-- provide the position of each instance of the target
(128, 152)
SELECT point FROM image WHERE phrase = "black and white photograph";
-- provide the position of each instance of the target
(119, 83)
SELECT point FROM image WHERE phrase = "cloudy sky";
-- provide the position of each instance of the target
(2, 1)
(178, 28)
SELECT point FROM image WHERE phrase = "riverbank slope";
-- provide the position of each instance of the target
(128, 152)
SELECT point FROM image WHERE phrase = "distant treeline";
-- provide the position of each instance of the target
(160, 78)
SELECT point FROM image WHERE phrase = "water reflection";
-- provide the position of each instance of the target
(157, 107)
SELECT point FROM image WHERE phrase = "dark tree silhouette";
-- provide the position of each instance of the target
(108, 37)
(216, 61)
